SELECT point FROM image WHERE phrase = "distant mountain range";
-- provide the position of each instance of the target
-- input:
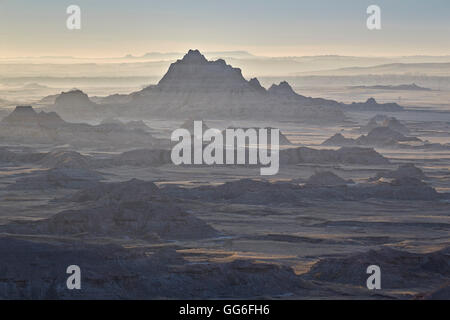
(148, 56)
(435, 69)
(155, 63)
(407, 87)
(175, 55)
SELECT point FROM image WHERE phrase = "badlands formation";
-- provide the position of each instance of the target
(90, 181)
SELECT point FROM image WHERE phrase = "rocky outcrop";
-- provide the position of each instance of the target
(124, 126)
(372, 105)
(255, 84)
(74, 100)
(385, 121)
(326, 178)
(282, 89)
(384, 136)
(400, 269)
(129, 191)
(133, 209)
(377, 137)
(345, 155)
(145, 220)
(76, 105)
(394, 124)
(402, 172)
(66, 159)
(246, 191)
(381, 135)
(326, 188)
(339, 140)
(403, 189)
(285, 91)
(373, 123)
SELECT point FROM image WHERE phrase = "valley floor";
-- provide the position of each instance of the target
(314, 248)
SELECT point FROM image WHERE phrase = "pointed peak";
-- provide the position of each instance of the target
(285, 85)
(371, 101)
(195, 71)
(254, 83)
(282, 88)
(194, 56)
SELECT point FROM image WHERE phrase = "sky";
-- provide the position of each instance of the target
(263, 27)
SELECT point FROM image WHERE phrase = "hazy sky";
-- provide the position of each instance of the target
(263, 27)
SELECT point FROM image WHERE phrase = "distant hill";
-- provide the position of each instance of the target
(372, 105)
(175, 55)
(380, 136)
(27, 116)
(435, 69)
(154, 64)
(407, 87)
(74, 99)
